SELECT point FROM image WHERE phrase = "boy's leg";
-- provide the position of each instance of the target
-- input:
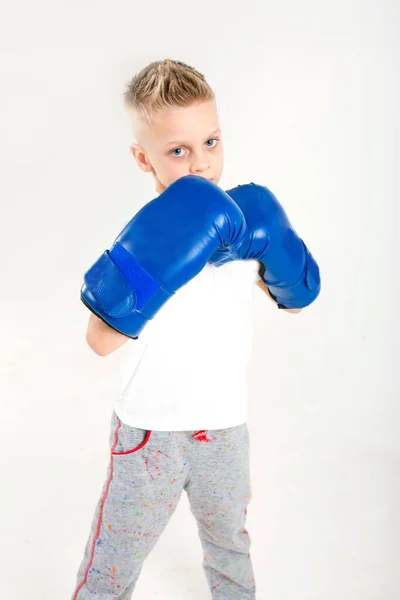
(219, 492)
(145, 479)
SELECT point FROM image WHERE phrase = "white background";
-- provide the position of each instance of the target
(309, 95)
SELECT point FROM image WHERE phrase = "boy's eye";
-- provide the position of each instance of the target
(211, 143)
(177, 152)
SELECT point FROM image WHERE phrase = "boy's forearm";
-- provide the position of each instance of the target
(101, 338)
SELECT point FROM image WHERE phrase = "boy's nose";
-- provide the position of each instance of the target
(200, 164)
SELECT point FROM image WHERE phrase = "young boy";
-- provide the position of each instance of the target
(180, 418)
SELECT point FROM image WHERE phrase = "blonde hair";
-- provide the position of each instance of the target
(163, 85)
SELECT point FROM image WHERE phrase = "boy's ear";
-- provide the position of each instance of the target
(141, 158)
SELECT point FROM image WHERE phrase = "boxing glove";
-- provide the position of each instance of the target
(167, 243)
(287, 266)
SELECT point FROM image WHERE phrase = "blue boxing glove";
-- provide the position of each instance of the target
(166, 244)
(287, 267)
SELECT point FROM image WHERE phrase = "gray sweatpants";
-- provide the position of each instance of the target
(146, 475)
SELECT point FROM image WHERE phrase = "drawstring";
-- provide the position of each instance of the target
(201, 436)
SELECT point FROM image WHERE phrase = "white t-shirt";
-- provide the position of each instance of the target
(188, 368)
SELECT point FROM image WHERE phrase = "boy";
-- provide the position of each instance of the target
(180, 418)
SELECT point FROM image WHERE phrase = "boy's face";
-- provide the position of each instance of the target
(182, 141)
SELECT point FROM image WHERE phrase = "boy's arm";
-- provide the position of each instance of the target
(101, 338)
(265, 289)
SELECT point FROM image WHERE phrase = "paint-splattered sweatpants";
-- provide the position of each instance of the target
(147, 473)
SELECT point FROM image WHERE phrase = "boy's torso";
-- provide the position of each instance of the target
(188, 369)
